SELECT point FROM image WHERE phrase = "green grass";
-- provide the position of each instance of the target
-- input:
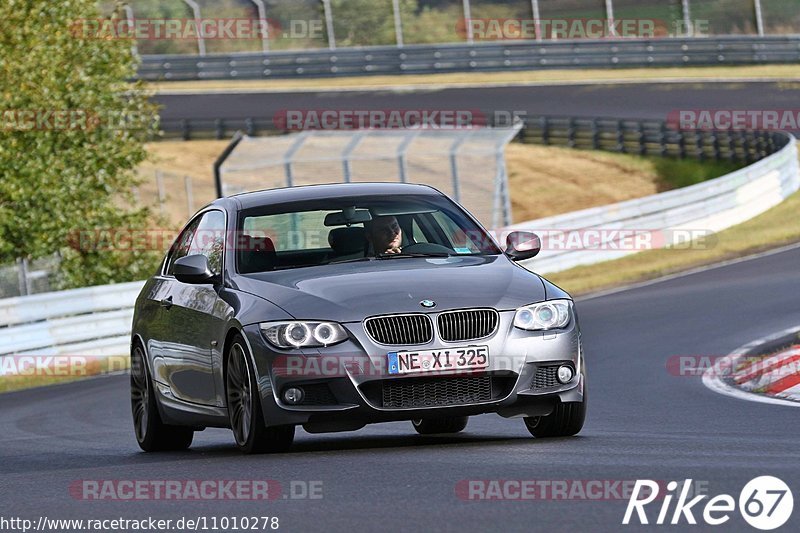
(674, 173)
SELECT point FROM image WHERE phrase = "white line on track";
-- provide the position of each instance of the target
(425, 87)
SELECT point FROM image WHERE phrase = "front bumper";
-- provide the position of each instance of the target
(348, 385)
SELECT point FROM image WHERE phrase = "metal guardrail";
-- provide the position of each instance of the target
(710, 206)
(476, 57)
(91, 321)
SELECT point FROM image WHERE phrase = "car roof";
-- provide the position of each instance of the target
(320, 192)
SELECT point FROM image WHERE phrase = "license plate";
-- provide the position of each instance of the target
(443, 359)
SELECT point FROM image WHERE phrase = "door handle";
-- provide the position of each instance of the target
(166, 302)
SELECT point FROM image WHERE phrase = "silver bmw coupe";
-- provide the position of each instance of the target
(334, 306)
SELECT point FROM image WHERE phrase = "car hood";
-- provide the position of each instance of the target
(349, 292)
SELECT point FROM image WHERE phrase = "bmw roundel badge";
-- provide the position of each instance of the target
(427, 303)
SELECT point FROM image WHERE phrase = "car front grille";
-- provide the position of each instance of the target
(467, 324)
(545, 377)
(436, 392)
(400, 329)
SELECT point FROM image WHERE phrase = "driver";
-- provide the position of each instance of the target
(385, 235)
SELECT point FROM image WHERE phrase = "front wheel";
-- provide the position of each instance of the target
(566, 420)
(244, 407)
(151, 433)
(444, 424)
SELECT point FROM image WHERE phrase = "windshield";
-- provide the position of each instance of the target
(364, 228)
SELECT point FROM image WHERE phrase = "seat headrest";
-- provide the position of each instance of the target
(257, 254)
(345, 241)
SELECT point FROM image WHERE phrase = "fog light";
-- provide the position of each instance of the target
(293, 395)
(565, 374)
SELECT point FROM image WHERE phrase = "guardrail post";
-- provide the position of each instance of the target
(620, 137)
(250, 127)
(681, 144)
(595, 135)
(571, 133)
(662, 139)
(642, 140)
(186, 131)
(219, 128)
(545, 131)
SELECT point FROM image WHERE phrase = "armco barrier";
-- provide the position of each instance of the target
(91, 321)
(96, 320)
(709, 206)
(477, 57)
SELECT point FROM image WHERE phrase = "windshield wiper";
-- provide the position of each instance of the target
(353, 260)
(413, 254)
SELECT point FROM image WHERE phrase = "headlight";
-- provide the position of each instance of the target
(546, 315)
(297, 334)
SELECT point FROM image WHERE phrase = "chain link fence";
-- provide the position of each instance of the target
(29, 277)
(332, 24)
(466, 164)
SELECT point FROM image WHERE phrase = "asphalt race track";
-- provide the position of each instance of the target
(643, 423)
(634, 101)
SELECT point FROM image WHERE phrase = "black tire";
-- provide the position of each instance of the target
(444, 424)
(151, 433)
(244, 407)
(566, 419)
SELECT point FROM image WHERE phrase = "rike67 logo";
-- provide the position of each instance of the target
(765, 503)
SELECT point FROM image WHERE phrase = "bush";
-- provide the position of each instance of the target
(62, 176)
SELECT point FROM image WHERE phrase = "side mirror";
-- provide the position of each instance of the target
(521, 245)
(193, 269)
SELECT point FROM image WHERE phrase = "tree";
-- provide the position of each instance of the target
(72, 132)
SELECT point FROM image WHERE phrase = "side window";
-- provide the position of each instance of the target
(209, 239)
(181, 246)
